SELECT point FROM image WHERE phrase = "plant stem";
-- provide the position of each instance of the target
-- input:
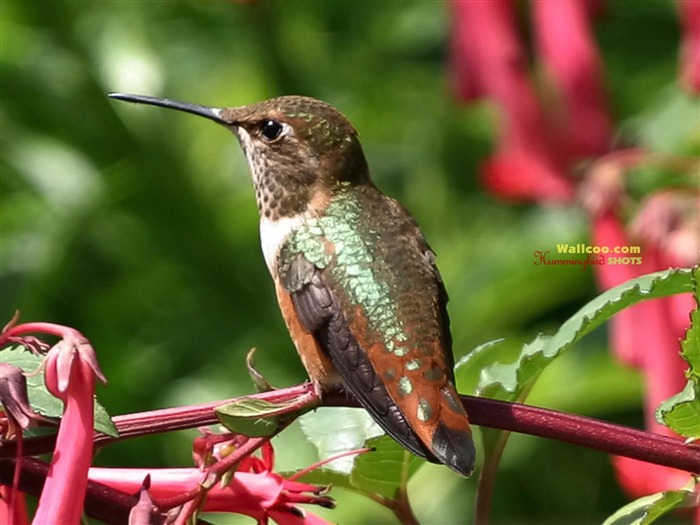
(487, 480)
(586, 432)
(577, 430)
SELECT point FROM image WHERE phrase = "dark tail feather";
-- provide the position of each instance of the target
(454, 448)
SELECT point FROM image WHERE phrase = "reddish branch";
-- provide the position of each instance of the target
(586, 432)
(569, 428)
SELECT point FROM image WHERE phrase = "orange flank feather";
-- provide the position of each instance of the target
(320, 369)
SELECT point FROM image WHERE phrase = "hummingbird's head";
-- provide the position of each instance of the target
(300, 150)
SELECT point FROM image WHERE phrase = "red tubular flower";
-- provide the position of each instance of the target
(489, 60)
(253, 489)
(70, 372)
(256, 494)
(580, 120)
(519, 176)
(646, 336)
(70, 376)
(689, 11)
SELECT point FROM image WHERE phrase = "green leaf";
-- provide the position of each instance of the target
(41, 399)
(480, 350)
(513, 381)
(649, 508)
(386, 470)
(691, 344)
(254, 417)
(681, 412)
(333, 430)
(261, 384)
(103, 421)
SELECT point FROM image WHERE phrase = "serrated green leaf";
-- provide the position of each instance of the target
(41, 399)
(483, 348)
(385, 470)
(505, 381)
(648, 509)
(681, 412)
(513, 381)
(253, 417)
(690, 347)
(333, 430)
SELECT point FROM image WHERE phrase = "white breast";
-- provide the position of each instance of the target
(272, 237)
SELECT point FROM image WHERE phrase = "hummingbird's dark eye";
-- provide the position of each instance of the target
(270, 129)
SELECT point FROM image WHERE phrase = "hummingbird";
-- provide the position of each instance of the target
(355, 279)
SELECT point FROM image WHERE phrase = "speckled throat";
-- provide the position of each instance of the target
(280, 190)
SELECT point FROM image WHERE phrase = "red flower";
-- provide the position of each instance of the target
(578, 114)
(254, 490)
(70, 376)
(489, 60)
(689, 11)
(70, 371)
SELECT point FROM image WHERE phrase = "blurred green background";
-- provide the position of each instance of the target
(138, 225)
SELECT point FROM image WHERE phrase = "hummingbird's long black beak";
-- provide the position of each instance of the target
(196, 109)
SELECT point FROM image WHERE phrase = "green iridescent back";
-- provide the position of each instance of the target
(373, 256)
